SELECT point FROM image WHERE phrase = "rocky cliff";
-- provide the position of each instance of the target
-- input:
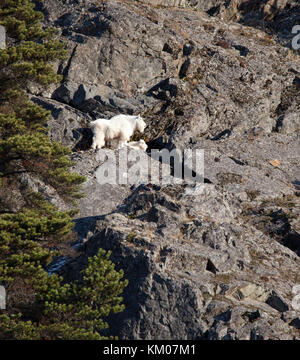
(214, 75)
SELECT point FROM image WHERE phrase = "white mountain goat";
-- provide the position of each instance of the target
(138, 145)
(118, 129)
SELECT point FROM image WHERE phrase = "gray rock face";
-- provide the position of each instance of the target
(204, 5)
(210, 279)
(216, 265)
(67, 124)
(197, 80)
(276, 17)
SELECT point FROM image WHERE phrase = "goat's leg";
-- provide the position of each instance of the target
(98, 141)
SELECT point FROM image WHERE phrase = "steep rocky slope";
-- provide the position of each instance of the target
(214, 75)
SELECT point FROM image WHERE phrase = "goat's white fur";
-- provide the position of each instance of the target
(138, 145)
(118, 129)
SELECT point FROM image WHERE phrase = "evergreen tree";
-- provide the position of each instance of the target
(73, 311)
(24, 145)
(39, 306)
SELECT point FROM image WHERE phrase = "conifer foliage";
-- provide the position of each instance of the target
(24, 145)
(40, 306)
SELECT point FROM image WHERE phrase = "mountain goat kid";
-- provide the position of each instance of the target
(138, 145)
